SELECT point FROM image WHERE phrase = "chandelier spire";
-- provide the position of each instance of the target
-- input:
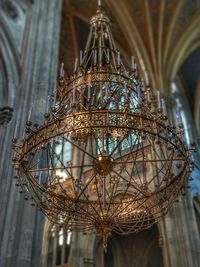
(99, 3)
(100, 49)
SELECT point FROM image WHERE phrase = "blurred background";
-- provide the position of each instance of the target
(35, 37)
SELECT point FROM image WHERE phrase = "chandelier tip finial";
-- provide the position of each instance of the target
(99, 3)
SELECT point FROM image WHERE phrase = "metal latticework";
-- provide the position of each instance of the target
(105, 159)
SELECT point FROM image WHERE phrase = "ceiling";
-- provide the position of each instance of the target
(190, 71)
(163, 35)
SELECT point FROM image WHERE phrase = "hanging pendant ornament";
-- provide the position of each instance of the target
(107, 159)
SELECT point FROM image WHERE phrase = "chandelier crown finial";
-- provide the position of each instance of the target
(100, 17)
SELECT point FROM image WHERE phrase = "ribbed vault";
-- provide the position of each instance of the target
(161, 34)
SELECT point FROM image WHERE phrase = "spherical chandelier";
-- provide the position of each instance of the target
(105, 158)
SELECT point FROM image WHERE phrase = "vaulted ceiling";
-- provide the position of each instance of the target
(161, 34)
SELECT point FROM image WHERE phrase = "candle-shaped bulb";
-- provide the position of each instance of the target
(16, 129)
(40, 177)
(136, 69)
(75, 65)
(89, 91)
(139, 94)
(62, 73)
(158, 99)
(106, 92)
(24, 135)
(178, 117)
(30, 112)
(125, 88)
(143, 83)
(55, 96)
(48, 104)
(164, 107)
(133, 63)
(118, 58)
(148, 96)
(81, 57)
(95, 57)
(146, 78)
(99, 2)
(74, 96)
(108, 55)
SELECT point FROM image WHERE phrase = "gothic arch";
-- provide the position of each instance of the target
(162, 59)
(151, 253)
(121, 11)
(55, 246)
(184, 47)
(114, 250)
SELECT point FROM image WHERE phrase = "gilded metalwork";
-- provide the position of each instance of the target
(105, 159)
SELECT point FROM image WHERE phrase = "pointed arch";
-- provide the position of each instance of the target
(183, 45)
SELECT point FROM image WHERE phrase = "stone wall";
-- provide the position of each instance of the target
(30, 72)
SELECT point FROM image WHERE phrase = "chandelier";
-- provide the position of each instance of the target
(105, 158)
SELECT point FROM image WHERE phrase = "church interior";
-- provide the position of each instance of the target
(82, 134)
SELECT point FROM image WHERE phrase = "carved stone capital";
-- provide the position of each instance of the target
(88, 262)
(5, 114)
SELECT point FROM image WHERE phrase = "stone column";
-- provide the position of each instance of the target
(63, 255)
(88, 262)
(47, 243)
(81, 248)
(5, 115)
(55, 248)
(21, 224)
(181, 246)
(163, 242)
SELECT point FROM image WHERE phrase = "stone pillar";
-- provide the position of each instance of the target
(21, 225)
(5, 115)
(74, 257)
(46, 244)
(81, 249)
(163, 242)
(181, 246)
(55, 247)
(63, 255)
(88, 262)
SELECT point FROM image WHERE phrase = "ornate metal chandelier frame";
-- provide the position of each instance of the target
(127, 165)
